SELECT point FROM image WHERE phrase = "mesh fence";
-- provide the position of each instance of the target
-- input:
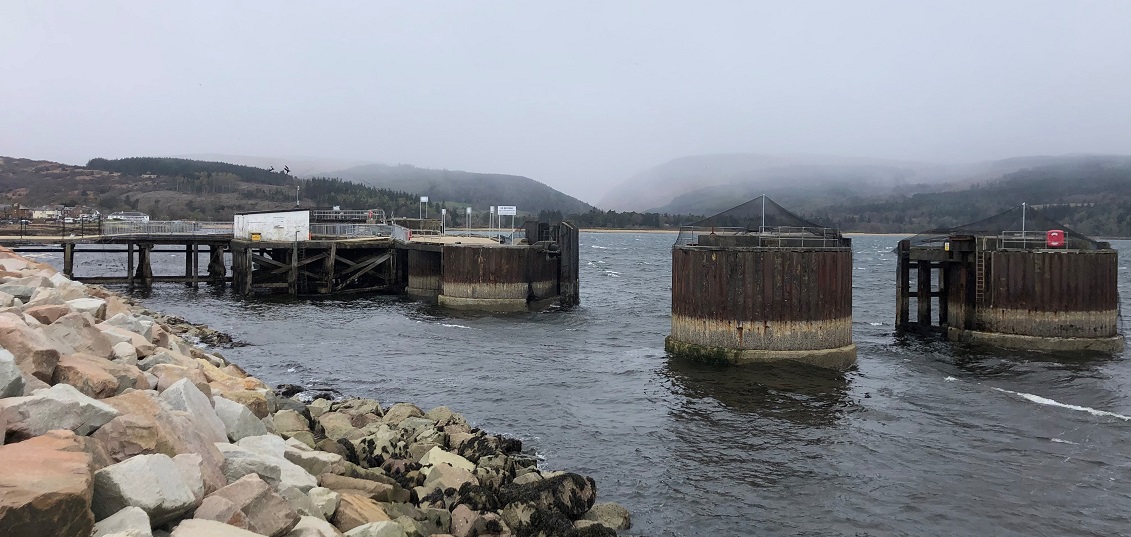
(760, 222)
(1019, 227)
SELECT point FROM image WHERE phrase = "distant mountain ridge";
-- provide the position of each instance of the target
(706, 184)
(477, 189)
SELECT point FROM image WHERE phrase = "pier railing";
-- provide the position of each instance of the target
(368, 215)
(166, 228)
(765, 237)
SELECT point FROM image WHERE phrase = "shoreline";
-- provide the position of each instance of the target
(114, 421)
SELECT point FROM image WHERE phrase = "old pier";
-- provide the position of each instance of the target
(759, 284)
(1017, 279)
(303, 252)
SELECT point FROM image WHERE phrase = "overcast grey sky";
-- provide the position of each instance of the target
(579, 95)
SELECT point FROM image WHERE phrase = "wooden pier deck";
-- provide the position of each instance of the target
(325, 265)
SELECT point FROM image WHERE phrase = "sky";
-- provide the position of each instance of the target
(579, 95)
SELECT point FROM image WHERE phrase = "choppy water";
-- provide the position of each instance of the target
(923, 438)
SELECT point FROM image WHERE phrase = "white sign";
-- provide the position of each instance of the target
(423, 199)
(469, 210)
(508, 210)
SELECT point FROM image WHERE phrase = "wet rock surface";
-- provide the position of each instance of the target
(115, 422)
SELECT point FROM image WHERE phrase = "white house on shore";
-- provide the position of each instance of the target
(129, 216)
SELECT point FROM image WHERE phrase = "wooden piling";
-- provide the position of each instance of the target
(903, 285)
(331, 258)
(69, 259)
(923, 292)
(195, 264)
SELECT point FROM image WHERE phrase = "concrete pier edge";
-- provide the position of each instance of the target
(1113, 344)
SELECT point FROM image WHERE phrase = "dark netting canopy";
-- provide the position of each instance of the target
(760, 222)
(1021, 225)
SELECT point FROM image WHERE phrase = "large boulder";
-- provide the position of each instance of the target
(34, 354)
(48, 313)
(131, 323)
(184, 395)
(274, 448)
(46, 487)
(313, 461)
(120, 335)
(568, 496)
(11, 381)
(145, 426)
(467, 522)
(96, 307)
(443, 476)
(356, 510)
(438, 455)
(151, 482)
(610, 515)
(382, 492)
(251, 504)
(199, 527)
(75, 332)
(325, 500)
(59, 407)
(400, 411)
(94, 376)
(378, 529)
(309, 526)
(239, 422)
(128, 519)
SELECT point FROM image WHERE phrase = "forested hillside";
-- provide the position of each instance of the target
(1092, 197)
(480, 190)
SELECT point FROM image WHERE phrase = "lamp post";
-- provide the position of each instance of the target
(467, 221)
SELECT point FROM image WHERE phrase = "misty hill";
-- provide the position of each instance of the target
(658, 188)
(480, 190)
(1090, 194)
(710, 183)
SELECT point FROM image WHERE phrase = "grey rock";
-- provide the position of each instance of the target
(314, 462)
(133, 324)
(610, 515)
(314, 527)
(128, 519)
(11, 381)
(274, 448)
(239, 422)
(198, 527)
(300, 502)
(184, 395)
(59, 407)
(387, 528)
(325, 499)
(96, 307)
(151, 482)
(22, 292)
(188, 464)
(250, 503)
(239, 462)
(124, 352)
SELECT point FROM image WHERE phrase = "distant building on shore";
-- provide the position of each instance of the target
(129, 216)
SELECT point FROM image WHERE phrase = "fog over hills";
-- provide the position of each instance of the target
(705, 184)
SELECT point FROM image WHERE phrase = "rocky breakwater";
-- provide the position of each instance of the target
(113, 424)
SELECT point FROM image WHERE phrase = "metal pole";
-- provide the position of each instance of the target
(1022, 222)
(763, 228)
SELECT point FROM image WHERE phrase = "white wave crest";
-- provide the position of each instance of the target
(1050, 402)
(455, 326)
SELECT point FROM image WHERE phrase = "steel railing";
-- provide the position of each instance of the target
(178, 227)
(766, 236)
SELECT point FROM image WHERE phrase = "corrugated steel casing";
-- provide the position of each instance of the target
(424, 273)
(1052, 293)
(771, 299)
(498, 272)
